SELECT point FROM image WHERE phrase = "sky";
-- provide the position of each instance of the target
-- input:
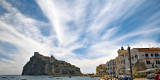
(85, 33)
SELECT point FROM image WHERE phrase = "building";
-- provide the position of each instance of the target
(111, 67)
(142, 60)
(150, 56)
(101, 69)
(123, 65)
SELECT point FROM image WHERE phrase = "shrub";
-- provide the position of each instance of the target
(138, 76)
(143, 75)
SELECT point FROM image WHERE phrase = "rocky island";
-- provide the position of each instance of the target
(43, 65)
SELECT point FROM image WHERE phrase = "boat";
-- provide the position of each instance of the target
(58, 78)
(50, 76)
(23, 79)
(91, 76)
(11, 77)
(4, 77)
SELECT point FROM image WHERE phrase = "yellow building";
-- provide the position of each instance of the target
(101, 69)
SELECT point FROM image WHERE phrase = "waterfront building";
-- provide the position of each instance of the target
(123, 65)
(149, 56)
(111, 67)
(142, 60)
(146, 57)
(101, 69)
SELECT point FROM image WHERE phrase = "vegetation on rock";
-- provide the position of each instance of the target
(42, 65)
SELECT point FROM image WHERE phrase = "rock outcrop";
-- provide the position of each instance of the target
(42, 65)
(139, 66)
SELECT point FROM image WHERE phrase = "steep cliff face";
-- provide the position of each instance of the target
(42, 65)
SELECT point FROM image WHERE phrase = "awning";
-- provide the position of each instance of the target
(151, 70)
(141, 71)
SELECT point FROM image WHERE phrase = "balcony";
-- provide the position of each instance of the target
(146, 57)
(157, 56)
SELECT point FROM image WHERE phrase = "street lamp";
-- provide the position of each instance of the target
(129, 51)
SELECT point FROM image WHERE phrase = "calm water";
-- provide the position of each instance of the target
(19, 77)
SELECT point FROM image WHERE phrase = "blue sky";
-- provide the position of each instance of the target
(84, 33)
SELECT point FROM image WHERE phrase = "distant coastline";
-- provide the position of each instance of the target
(46, 77)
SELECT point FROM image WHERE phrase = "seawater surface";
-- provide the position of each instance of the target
(21, 77)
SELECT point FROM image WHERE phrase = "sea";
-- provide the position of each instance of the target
(23, 77)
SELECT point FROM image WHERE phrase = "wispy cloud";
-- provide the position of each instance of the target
(22, 32)
(84, 33)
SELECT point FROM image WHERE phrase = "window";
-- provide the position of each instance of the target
(156, 55)
(157, 62)
(148, 62)
(146, 55)
(151, 55)
(136, 56)
(132, 58)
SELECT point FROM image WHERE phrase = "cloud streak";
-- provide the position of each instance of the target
(84, 33)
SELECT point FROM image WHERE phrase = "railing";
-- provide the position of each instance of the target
(157, 56)
(146, 57)
(152, 57)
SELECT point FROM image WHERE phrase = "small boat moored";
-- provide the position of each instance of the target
(4, 76)
(23, 79)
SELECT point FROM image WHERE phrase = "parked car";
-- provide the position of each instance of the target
(151, 76)
(128, 76)
(121, 77)
(157, 76)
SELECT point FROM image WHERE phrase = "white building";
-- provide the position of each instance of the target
(151, 56)
(110, 67)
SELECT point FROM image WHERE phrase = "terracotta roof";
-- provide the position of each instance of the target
(148, 49)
